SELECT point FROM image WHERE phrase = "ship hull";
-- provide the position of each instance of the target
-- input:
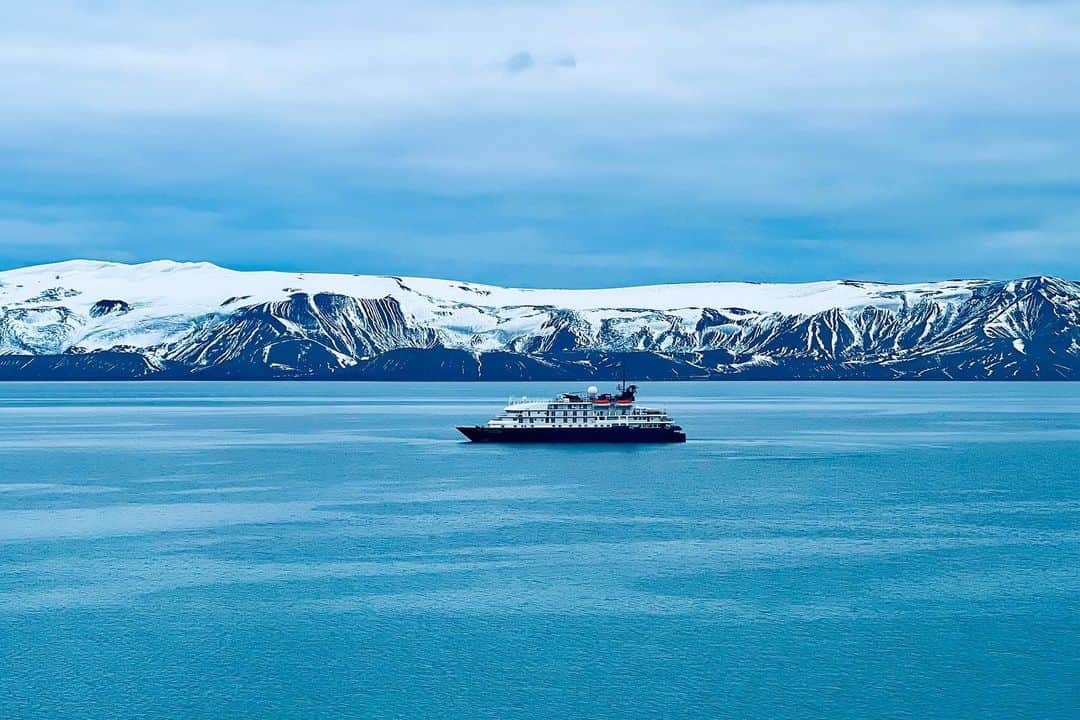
(485, 434)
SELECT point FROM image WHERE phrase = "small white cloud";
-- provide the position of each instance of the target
(520, 62)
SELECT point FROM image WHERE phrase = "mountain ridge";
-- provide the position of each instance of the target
(163, 319)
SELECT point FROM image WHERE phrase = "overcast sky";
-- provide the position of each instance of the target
(547, 143)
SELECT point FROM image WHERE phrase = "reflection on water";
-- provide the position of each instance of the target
(300, 550)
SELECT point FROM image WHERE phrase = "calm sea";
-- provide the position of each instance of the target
(289, 550)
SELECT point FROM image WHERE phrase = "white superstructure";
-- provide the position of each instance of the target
(590, 410)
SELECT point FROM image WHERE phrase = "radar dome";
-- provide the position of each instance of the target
(593, 390)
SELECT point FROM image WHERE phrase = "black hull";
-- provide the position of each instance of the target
(482, 433)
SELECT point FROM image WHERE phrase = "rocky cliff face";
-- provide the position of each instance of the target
(303, 334)
(165, 319)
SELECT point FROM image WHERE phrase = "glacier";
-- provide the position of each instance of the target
(86, 319)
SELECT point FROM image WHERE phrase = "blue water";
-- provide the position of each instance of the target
(334, 550)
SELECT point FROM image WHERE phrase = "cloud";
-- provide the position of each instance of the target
(519, 62)
(797, 139)
(373, 65)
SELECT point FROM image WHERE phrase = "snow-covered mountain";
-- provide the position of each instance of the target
(196, 320)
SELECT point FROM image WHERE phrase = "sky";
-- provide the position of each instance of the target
(538, 144)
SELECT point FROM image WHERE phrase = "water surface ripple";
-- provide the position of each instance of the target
(299, 550)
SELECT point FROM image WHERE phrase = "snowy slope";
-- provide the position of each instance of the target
(169, 299)
(198, 316)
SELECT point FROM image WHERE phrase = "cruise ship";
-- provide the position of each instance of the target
(576, 418)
